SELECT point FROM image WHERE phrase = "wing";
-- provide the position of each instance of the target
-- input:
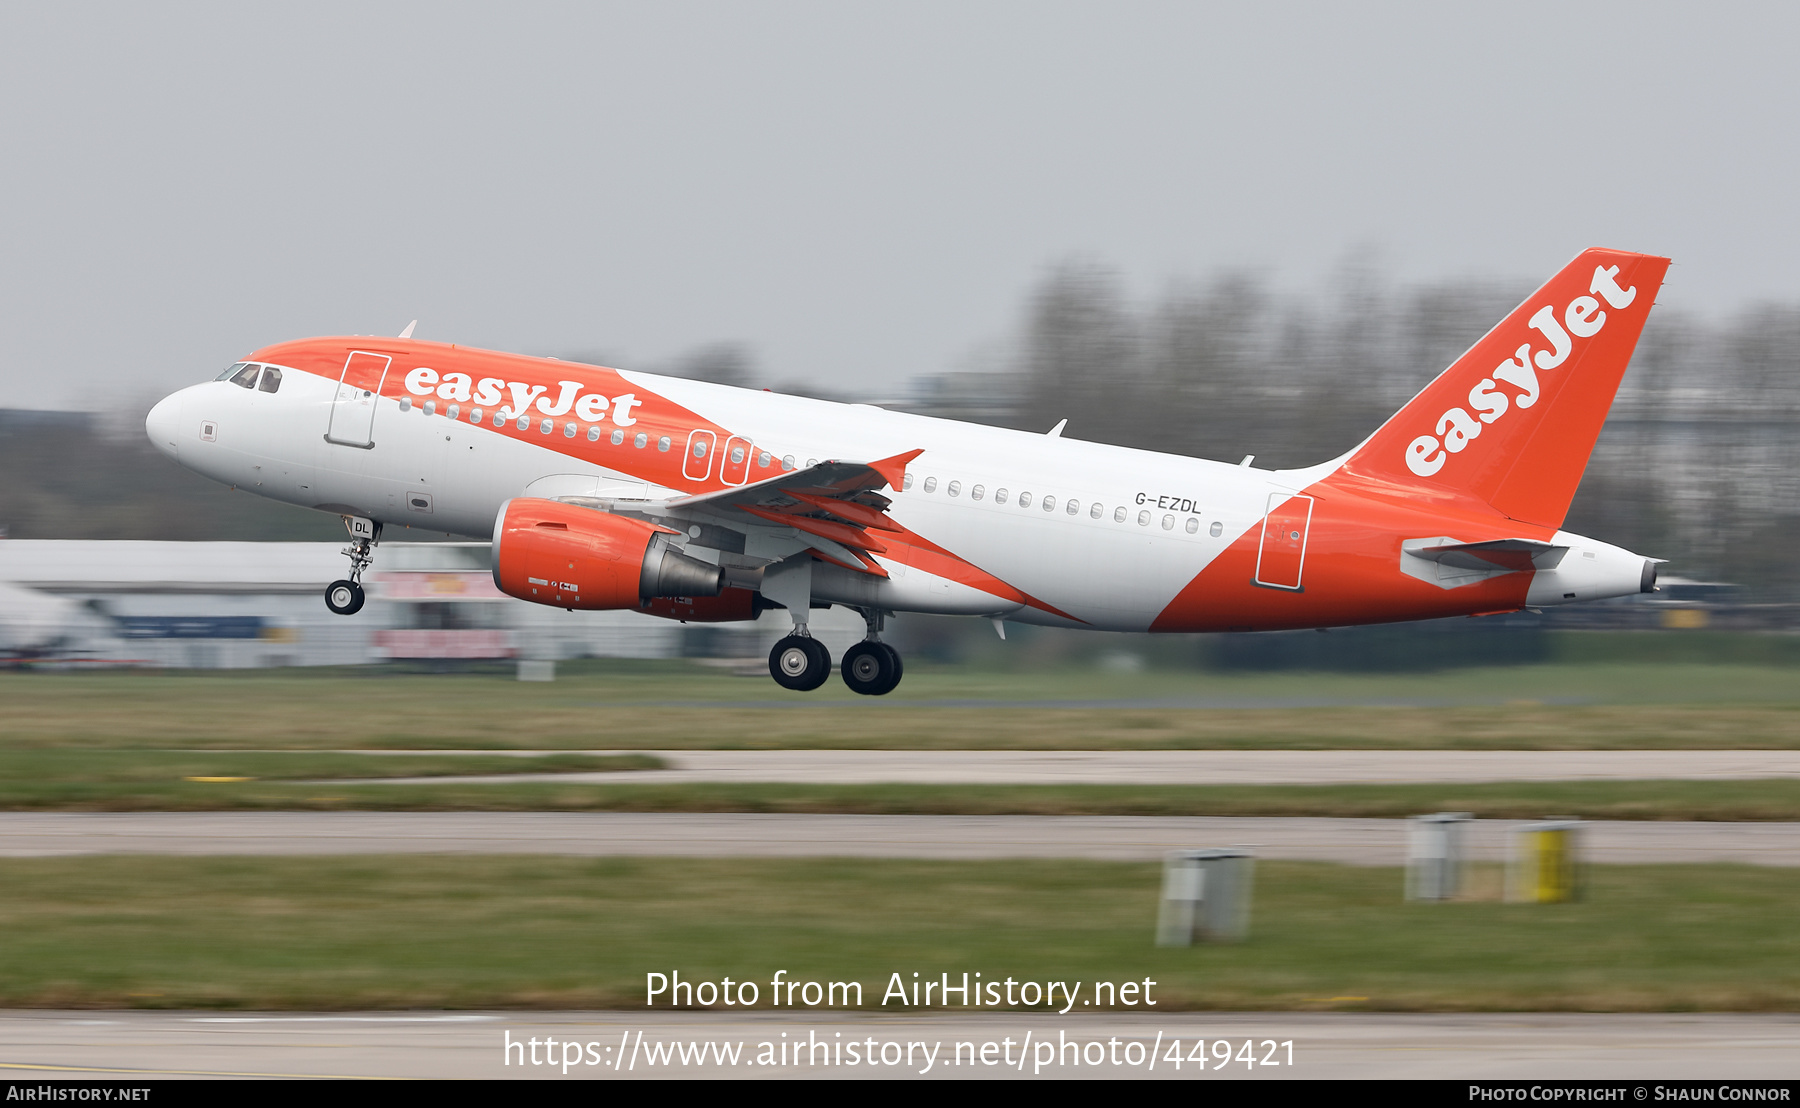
(832, 508)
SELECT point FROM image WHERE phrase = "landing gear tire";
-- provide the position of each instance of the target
(344, 597)
(872, 668)
(799, 663)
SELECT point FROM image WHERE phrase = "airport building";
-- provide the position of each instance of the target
(231, 605)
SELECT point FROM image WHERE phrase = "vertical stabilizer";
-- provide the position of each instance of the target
(1513, 421)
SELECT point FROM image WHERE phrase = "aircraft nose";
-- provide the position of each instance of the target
(163, 422)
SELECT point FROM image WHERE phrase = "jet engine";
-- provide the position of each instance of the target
(567, 556)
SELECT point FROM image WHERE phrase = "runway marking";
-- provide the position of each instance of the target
(193, 1073)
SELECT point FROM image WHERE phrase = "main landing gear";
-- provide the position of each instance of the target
(800, 662)
(346, 597)
(871, 667)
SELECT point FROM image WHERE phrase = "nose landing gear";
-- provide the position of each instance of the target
(345, 597)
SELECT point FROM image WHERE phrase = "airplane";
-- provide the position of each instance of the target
(604, 489)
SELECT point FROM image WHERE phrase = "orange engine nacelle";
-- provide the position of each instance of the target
(568, 556)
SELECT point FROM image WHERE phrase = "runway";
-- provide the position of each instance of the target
(1116, 838)
(1160, 767)
(36, 1046)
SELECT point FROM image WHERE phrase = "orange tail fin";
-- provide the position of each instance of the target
(1513, 421)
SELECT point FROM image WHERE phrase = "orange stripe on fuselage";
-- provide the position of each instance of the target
(1352, 568)
(918, 552)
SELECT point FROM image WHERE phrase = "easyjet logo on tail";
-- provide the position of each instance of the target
(1582, 318)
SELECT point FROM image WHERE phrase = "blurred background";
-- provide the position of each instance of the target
(1196, 229)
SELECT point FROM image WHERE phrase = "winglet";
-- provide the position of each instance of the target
(893, 470)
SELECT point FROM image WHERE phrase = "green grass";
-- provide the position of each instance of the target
(1758, 800)
(528, 932)
(133, 779)
(674, 705)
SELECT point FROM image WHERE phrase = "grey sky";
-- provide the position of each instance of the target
(860, 192)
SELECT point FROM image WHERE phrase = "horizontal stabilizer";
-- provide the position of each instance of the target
(1449, 564)
(1507, 554)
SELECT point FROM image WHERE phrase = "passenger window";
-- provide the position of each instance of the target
(271, 380)
(977, 493)
(1193, 526)
(406, 403)
(1119, 514)
(474, 415)
(1216, 529)
(1024, 500)
(246, 378)
(640, 440)
(662, 444)
(737, 455)
(524, 423)
(618, 436)
(546, 426)
(431, 407)
(763, 459)
(699, 449)
(1073, 507)
(931, 484)
(1168, 523)
(999, 496)
(500, 418)
(954, 488)
(450, 411)
(1049, 503)
(568, 430)
(593, 434)
(1096, 511)
(1143, 519)
(787, 462)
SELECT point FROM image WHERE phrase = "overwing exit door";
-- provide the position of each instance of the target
(353, 409)
(1282, 555)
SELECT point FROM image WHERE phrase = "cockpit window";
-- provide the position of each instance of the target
(271, 379)
(226, 373)
(246, 378)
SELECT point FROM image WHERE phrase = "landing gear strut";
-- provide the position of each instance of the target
(346, 597)
(872, 667)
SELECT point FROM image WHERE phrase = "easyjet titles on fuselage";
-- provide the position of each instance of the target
(461, 388)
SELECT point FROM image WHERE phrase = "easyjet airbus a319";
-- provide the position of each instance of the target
(603, 489)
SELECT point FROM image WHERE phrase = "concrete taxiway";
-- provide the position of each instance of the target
(1636, 1050)
(1163, 767)
(1118, 838)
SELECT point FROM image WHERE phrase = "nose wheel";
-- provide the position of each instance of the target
(344, 597)
(800, 662)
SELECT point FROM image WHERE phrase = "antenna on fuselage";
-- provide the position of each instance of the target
(407, 334)
(1056, 431)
